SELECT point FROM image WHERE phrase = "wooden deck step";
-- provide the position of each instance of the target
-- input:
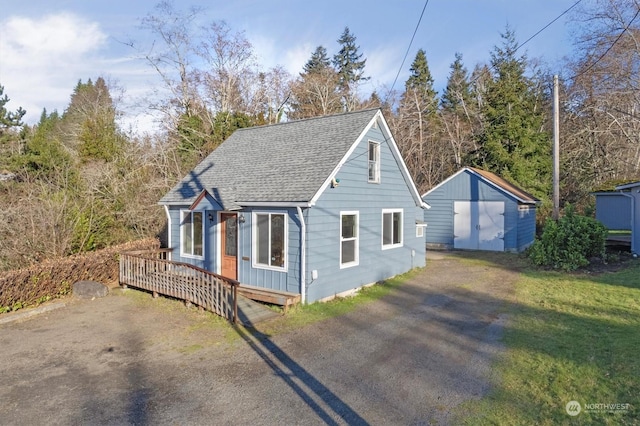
(275, 297)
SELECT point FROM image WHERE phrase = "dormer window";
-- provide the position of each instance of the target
(374, 162)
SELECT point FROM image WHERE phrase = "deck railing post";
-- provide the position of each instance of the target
(235, 302)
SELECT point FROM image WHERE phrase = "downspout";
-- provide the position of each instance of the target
(633, 220)
(303, 256)
(166, 210)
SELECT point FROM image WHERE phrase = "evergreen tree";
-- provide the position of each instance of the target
(457, 95)
(45, 156)
(418, 126)
(349, 65)
(458, 112)
(512, 142)
(9, 119)
(315, 92)
(90, 123)
(318, 62)
(419, 90)
(11, 131)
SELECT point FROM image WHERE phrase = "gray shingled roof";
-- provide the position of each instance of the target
(286, 162)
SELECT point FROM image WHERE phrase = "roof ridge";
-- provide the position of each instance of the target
(306, 119)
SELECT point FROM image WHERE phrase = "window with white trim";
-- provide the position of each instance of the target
(391, 228)
(270, 240)
(374, 162)
(192, 234)
(349, 239)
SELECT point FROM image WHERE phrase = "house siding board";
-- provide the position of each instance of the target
(354, 193)
(288, 280)
(519, 231)
(613, 210)
(526, 227)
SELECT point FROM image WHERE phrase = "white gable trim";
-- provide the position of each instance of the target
(485, 180)
(341, 163)
(386, 132)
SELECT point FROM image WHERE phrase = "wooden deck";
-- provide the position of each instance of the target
(274, 297)
(150, 270)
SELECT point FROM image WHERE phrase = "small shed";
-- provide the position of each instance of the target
(629, 214)
(477, 210)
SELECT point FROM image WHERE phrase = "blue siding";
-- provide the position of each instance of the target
(354, 193)
(519, 227)
(288, 280)
(613, 210)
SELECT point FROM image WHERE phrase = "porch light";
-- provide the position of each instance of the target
(241, 218)
(210, 217)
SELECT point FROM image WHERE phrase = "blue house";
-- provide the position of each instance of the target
(317, 207)
(478, 210)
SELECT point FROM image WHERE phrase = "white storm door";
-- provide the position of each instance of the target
(491, 225)
(464, 234)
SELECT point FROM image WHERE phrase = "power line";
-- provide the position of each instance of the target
(409, 47)
(492, 67)
(624, 30)
(549, 24)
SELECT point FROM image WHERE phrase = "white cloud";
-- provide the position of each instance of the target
(43, 58)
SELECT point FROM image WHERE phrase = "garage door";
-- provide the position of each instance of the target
(478, 225)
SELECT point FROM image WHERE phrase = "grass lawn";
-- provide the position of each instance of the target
(570, 338)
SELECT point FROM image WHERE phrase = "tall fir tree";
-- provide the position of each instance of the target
(513, 142)
(457, 95)
(349, 65)
(418, 125)
(318, 62)
(315, 92)
(419, 89)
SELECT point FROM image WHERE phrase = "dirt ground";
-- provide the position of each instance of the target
(410, 358)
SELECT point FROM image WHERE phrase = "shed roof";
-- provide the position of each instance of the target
(280, 163)
(628, 185)
(494, 180)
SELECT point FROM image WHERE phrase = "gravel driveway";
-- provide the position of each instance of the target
(409, 358)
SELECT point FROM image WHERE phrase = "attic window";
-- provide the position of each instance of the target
(374, 162)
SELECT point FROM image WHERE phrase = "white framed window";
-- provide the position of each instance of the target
(192, 234)
(269, 238)
(392, 228)
(374, 162)
(349, 239)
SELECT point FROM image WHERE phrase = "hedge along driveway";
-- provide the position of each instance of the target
(409, 358)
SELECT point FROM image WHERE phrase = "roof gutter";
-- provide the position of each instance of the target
(288, 204)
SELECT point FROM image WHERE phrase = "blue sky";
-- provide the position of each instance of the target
(46, 47)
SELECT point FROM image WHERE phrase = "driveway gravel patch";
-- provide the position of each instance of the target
(410, 358)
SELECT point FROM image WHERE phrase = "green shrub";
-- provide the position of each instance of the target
(569, 243)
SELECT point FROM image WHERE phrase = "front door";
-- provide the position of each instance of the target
(229, 245)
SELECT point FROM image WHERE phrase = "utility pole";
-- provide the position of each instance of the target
(556, 150)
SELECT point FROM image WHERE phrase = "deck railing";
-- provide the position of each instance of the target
(150, 270)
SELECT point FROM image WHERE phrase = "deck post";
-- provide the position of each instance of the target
(235, 303)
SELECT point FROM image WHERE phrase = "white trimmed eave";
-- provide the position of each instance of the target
(287, 204)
